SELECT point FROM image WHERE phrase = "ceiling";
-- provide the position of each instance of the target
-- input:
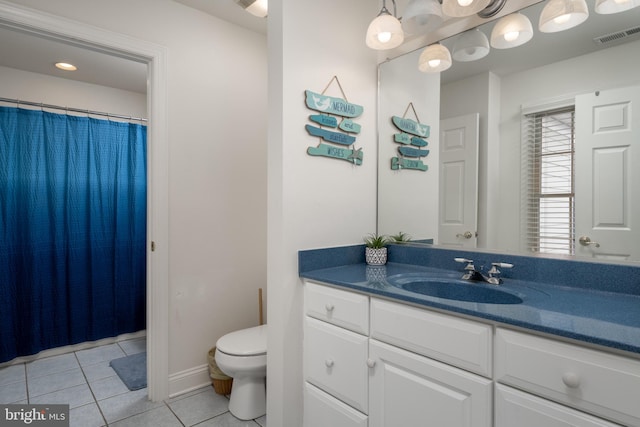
(37, 54)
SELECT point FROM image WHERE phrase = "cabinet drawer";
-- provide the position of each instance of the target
(603, 384)
(452, 340)
(323, 410)
(342, 308)
(515, 408)
(335, 360)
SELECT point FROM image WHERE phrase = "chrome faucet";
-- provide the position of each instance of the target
(476, 276)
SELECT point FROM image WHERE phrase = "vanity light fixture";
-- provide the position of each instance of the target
(511, 31)
(422, 16)
(606, 7)
(560, 15)
(434, 59)
(65, 66)
(257, 8)
(461, 8)
(470, 46)
(385, 31)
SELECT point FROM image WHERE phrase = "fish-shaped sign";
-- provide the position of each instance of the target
(327, 135)
(413, 152)
(324, 120)
(411, 126)
(405, 138)
(331, 105)
(399, 163)
(326, 150)
(350, 126)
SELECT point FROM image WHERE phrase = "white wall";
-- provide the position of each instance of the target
(608, 68)
(408, 198)
(217, 167)
(34, 87)
(313, 201)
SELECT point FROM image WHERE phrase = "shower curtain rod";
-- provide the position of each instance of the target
(75, 110)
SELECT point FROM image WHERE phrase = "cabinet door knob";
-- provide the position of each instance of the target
(329, 307)
(328, 363)
(571, 380)
(371, 363)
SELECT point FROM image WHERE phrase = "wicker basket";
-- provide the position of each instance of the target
(221, 383)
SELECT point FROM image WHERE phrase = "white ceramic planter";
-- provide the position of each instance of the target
(375, 256)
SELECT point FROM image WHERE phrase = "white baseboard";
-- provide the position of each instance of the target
(189, 379)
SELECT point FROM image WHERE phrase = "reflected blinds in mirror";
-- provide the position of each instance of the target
(548, 180)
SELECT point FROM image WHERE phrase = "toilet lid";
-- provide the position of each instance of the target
(245, 342)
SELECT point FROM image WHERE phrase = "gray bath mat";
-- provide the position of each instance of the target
(132, 370)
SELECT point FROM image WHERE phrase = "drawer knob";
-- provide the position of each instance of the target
(371, 363)
(329, 307)
(571, 380)
(328, 363)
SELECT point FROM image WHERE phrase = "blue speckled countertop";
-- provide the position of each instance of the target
(606, 317)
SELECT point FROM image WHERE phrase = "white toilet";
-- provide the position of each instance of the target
(243, 356)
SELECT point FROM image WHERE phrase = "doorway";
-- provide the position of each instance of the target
(33, 22)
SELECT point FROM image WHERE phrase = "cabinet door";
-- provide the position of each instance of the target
(335, 360)
(324, 410)
(407, 389)
(515, 408)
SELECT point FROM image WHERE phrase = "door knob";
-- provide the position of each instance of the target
(466, 235)
(586, 241)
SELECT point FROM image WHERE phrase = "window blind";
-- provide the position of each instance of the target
(548, 180)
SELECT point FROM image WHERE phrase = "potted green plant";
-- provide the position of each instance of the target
(401, 237)
(376, 249)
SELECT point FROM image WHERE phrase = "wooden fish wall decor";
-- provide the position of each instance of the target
(412, 135)
(336, 114)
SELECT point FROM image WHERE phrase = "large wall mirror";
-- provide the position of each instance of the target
(592, 72)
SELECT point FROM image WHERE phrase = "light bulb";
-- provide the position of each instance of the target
(562, 18)
(465, 3)
(511, 36)
(384, 37)
(433, 63)
(621, 1)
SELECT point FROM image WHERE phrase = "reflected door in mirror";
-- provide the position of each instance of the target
(459, 181)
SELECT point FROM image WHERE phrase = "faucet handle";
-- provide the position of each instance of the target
(502, 264)
(494, 272)
(469, 266)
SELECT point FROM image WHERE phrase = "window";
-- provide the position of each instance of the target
(548, 179)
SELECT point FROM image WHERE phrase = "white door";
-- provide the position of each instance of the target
(406, 389)
(458, 216)
(607, 155)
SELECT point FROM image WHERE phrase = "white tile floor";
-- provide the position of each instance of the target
(97, 397)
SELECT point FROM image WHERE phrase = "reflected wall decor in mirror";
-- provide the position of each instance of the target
(560, 106)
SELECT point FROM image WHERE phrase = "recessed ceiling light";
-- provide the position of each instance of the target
(66, 66)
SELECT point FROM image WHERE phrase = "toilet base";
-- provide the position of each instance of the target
(248, 398)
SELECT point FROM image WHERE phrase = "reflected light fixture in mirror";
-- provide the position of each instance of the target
(385, 31)
(422, 16)
(434, 59)
(511, 31)
(560, 15)
(606, 7)
(461, 8)
(470, 46)
(257, 8)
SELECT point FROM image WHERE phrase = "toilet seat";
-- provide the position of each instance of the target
(246, 342)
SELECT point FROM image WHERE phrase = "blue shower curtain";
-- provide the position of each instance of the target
(72, 230)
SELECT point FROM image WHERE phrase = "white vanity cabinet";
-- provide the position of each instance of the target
(372, 362)
(365, 364)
